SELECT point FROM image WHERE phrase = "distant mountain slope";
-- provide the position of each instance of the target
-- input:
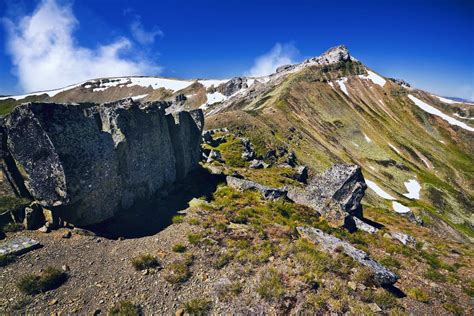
(415, 148)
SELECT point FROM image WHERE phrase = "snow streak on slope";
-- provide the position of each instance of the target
(342, 85)
(432, 110)
(374, 78)
(400, 208)
(447, 101)
(378, 190)
(413, 188)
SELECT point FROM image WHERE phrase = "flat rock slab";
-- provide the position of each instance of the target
(18, 246)
(382, 275)
(267, 192)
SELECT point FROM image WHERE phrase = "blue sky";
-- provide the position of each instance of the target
(57, 42)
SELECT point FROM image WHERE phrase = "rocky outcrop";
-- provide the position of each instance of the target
(88, 161)
(267, 192)
(232, 86)
(336, 193)
(331, 244)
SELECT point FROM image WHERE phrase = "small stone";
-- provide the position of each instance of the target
(65, 267)
(44, 229)
(361, 286)
(179, 312)
(375, 308)
(145, 272)
(352, 285)
(53, 302)
(67, 234)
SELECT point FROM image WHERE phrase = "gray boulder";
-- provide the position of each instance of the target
(214, 155)
(267, 192)
(86, 162)
(248, 151)
(331, 244)
(335, 193)
(232, 86)
(361, 225)
(404, 238)
(258, 164)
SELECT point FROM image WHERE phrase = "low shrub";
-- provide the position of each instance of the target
(271, 287)
(145, 261)
(47, 280)
(197, 306)
(6, 260)
(177, 219)
(419, 295)
(179, 248)
(125, 308)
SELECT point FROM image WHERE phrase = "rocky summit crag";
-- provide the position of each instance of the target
(89, 161)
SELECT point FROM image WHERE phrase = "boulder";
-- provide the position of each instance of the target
(86, 162)
(336, 193)
(404, 238)
(232, 86)
(214, 155)
(331, 244)
(267, 192)
(258, 164)
(361, 225)
(248, 151)
(301, 174)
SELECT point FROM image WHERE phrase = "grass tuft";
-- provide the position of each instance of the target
(145, 261)
(47, 280)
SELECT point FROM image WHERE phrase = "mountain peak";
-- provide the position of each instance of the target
(331, 56)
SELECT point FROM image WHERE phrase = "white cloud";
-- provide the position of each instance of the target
(46, 55)
(143, 36)
(279, 55)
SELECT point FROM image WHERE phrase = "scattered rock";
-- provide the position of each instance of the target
(248, 151)
(404, 238)
(53, 302)
(258, 164)
(375, 308)
(65, 268)
(214, 155)
(232, 86)
(267, 192)
(67, 234)
(336, 193)
(382, 276)
(359, 224)
(301, 174)
(352, 285)
(44, 229)
(179, 312)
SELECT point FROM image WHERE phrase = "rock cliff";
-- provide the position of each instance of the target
(88, 161)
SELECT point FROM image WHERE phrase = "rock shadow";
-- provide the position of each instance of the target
(150, 217)
(395, 291)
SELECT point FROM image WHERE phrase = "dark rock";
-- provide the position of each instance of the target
(34, 217)
(336, 193)
(248, 151)
(180, 98)
(267, 192)
(232, 86)
(257, 164)
(301, 174)
(283, 68)
(86, 162)
(214, 155)
(331, 244)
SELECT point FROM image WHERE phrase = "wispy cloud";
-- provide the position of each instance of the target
(143, 36)
(46, 55)
(280, 54)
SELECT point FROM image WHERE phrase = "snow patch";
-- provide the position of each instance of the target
(367, 138)
(155, 83)
(400, 208)
(378, 190)
(211, 82)
(342, 85)
(432, 110)
(413, 188)
(447, 101)
(331, 84)
(138, 97)
(394, 148)
(374, 78)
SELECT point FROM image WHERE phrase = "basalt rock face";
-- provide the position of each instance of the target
(88, 161)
